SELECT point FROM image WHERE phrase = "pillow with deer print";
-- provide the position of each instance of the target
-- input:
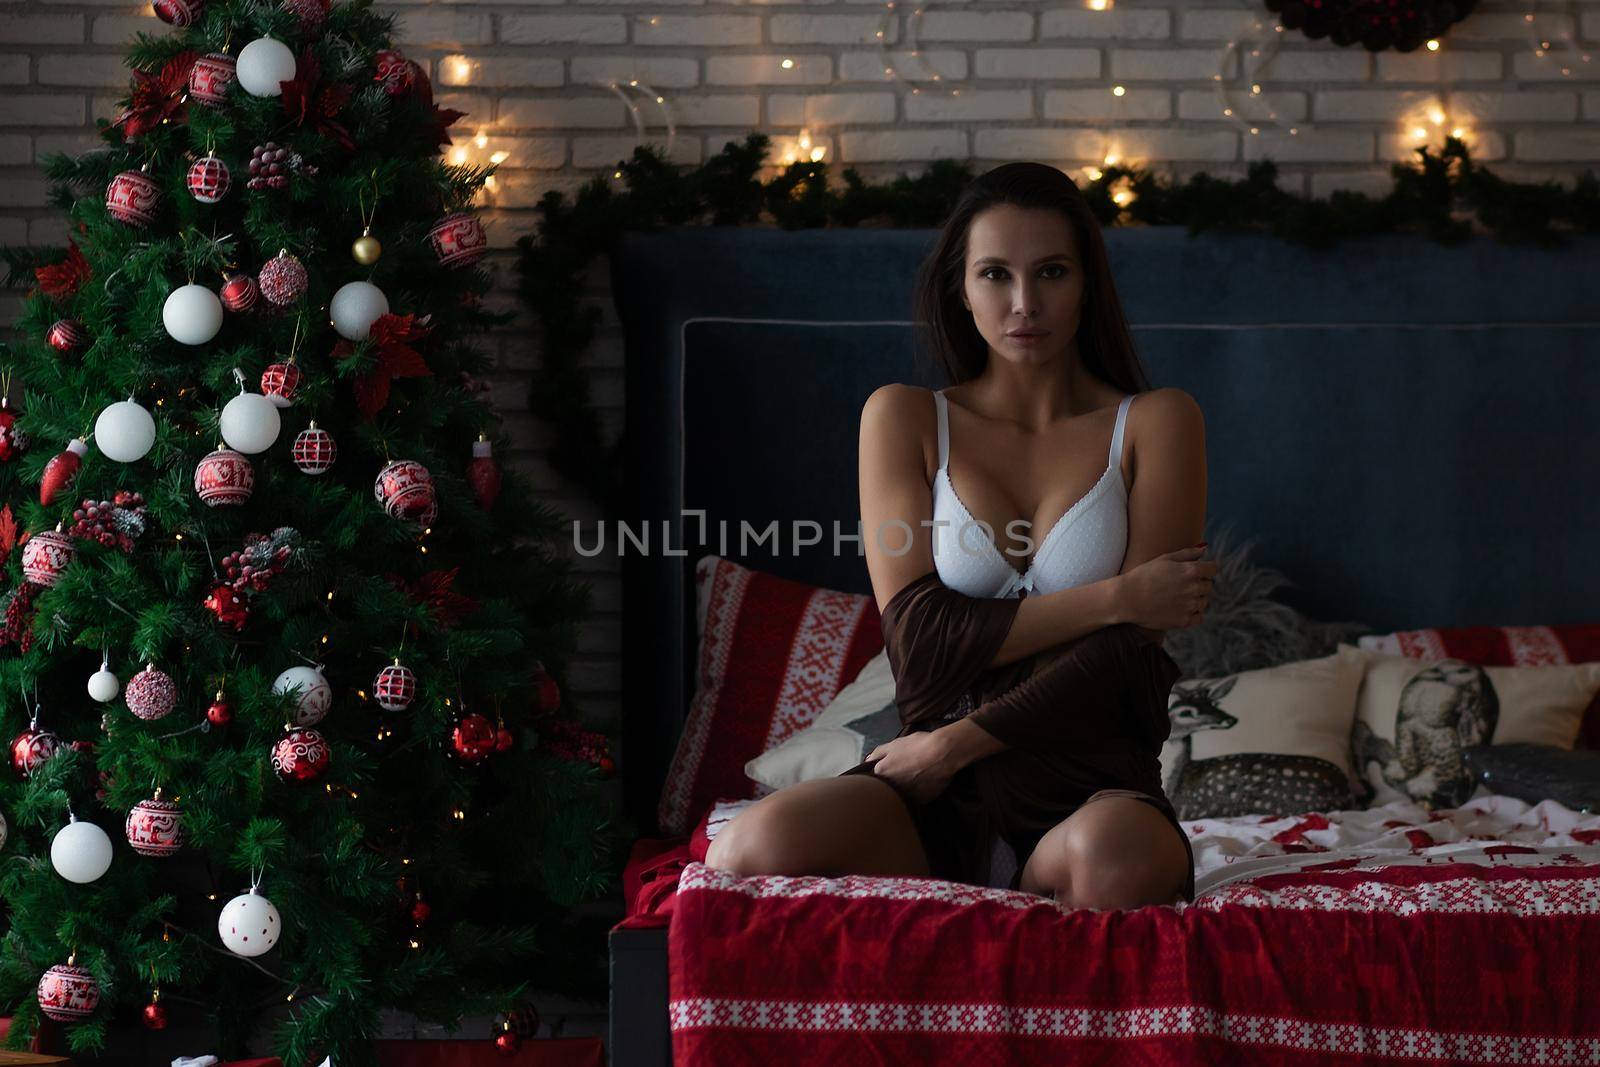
(1273, 741)
(1414, 717)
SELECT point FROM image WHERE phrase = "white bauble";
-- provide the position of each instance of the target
(124, 432)
(249, 924)
(192, 314)
(316, 695)
(103, 685)
(81, 852)
(250, 423)
(355, 307)
(262, 64)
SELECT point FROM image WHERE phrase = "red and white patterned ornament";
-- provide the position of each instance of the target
(132, 197)
(458, 240)
(68, 337)
(240, 293)
(472, 739)
(310, 14)
(210, 77)
(155, 827)
(46, 555)
(396, 72)
(32, 748)
(68, 993)
(395, 687)
(301, 756)
(151, 694)
(224, 478)
(279, 382)
(314, 450)
(209, 179)
(283, 279)
(405, 489)
(177, 12)
(12, 440)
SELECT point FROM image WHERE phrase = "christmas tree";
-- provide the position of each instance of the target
(282, 644)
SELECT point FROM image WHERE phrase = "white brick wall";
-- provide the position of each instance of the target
(990, 81)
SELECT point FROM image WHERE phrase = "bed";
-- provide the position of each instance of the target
(1405, 428)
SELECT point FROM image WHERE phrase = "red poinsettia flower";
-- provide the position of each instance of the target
(433, 591)
(61, 280)
(307, 103)
(156, 96)
(393, 357)
(440, 119)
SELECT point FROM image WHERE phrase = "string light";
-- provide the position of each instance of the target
(633, 111)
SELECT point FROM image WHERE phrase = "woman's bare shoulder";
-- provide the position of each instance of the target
(900, 416)
(1168, 402)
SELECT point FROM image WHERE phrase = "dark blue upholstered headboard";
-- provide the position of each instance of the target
(1407, 429)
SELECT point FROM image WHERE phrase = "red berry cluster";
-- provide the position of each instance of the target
(565, 739)
(17, 628)
(272, 166)
(252, 568)
(118, 521)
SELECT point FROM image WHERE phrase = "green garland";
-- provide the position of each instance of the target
(1441, 195)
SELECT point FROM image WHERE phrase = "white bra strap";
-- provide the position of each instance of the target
(1115, 459)
(944, 428)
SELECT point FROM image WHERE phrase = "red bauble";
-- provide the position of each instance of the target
(314, 450)
(228, 606)
(396, 72)
(154, 1016)
(395, 687)
(420, 912)
(473, 738)
(224, 478)
(31, 748)
(151, 694)
(60, 471)
(177, 12)
(549, 694)
(240, 293)
(310, 14)
(209, 179)
(67, 993)
(279, 382)
(458, 240)
(12, 440)
(301, 755)
(210, 77)
(507, 1043)
(132, 198)
(483, 474)
(155, 827)
(68, 337)
(219, 713)
(504, 739)
(46, 555)
(405, 489)
(607, 766)
(283, 279)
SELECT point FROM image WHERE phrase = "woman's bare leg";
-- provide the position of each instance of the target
(851, 824)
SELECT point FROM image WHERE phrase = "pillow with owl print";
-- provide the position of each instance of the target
(1414, 717)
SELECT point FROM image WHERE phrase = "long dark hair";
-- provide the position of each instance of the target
(1104, 342)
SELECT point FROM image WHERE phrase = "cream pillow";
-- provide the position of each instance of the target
(1273, 741)
(1415, 716)
(861, 717)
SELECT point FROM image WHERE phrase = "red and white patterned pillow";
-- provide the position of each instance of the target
(773, 653)
(1503, 646)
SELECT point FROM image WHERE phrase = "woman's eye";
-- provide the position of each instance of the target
(989, 271)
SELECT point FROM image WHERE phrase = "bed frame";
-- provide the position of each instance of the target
(1408, 430)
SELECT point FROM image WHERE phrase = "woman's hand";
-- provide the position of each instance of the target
(1169, 592)
(920, 764)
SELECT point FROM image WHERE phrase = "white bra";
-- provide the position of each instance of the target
(1086, 544)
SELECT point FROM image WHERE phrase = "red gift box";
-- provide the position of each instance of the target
(535, 1052)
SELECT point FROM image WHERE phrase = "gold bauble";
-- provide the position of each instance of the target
(366, 249)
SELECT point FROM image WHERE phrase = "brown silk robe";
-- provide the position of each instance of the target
(1084, 716)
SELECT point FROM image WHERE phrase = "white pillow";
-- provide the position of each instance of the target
(1438, 707)
(1272, 741)
(860, 718)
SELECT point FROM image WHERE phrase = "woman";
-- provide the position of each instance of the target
(1028, 667)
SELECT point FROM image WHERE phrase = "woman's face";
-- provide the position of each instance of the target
(1023, 282)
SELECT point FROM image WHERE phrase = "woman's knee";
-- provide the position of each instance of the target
(1108, 863)
(752, 842)
(832, 826)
